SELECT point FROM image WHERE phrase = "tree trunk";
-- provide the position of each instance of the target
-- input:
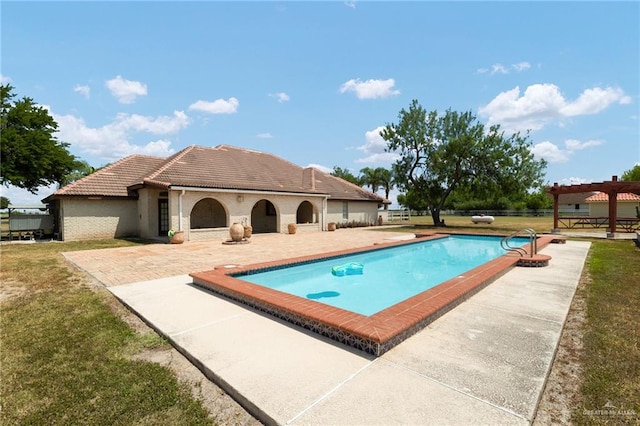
(435, 215)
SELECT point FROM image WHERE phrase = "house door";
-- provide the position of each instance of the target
(163, 217)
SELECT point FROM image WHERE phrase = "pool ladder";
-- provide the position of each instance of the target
(533, 242)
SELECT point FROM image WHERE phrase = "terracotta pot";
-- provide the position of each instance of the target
(236, 232)
(331, 226)
(292, 228)
(248, 230)
(177, 237)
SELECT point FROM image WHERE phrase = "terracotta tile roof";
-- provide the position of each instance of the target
(623, 196)
(112, 180)
(220, 167)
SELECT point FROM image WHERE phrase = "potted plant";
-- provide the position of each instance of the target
(331, 226)
(176, 237)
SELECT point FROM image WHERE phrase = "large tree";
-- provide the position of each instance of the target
(440, 153)
(31, 155)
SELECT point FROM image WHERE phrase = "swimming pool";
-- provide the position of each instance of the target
(369, 282)
(375, 333)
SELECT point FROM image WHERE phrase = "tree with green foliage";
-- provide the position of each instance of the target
(440, 153)
(345, 174)
(31, 155)
(370, 177)
(4, 202)
(632, 175)
(539, 200)
(80, 169)
(387, 182)
(411, 201)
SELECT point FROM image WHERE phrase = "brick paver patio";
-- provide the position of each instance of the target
(146, 262)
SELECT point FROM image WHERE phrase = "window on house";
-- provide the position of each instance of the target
(345, 210)
(577, 206)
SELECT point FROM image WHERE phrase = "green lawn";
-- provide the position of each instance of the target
(67, 357)
(501, 225)
(611, 358)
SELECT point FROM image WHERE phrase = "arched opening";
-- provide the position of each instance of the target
(264, 217)
(208, 213)
(306, 213)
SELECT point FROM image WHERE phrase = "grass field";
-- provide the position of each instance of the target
(611, 359)
(68, 358)
(501, 225)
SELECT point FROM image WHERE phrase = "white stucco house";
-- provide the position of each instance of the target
(202, 191)
(574, 204)
(626, 205)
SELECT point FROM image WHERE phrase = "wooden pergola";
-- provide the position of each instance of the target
(610, 187)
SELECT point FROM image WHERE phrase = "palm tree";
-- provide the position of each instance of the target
(385, 178)
(369, 177)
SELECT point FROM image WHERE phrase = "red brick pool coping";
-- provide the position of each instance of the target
(374, 334)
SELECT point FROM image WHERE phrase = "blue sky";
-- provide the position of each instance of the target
(313, 82)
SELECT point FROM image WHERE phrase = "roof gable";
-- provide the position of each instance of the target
(112, 180)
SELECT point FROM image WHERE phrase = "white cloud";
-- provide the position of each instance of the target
(264, 136)
(592, 101)
(320, 167)
(504, 69)
(576, 145)
(22, 197)
(499, 69)
(351, 4)
(550, 152)
(157, 125)
(159, 148)
(219, 106)
(370, 89)
(521, 66)
(113, 141)
(543, 103)
(554, 154)
(126, 91)
(280, 96)
(83, 90)
(574, 181)
(375, 147)
(4, 79)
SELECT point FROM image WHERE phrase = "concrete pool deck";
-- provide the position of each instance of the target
(484, 362)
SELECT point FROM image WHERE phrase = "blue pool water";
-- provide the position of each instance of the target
(388, 275)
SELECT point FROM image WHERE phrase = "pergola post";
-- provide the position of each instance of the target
(555, 211)
(613, 207)
(613, 211)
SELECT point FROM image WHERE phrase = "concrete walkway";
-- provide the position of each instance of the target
(485, 362)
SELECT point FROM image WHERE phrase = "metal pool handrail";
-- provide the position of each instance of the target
(533, 242)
